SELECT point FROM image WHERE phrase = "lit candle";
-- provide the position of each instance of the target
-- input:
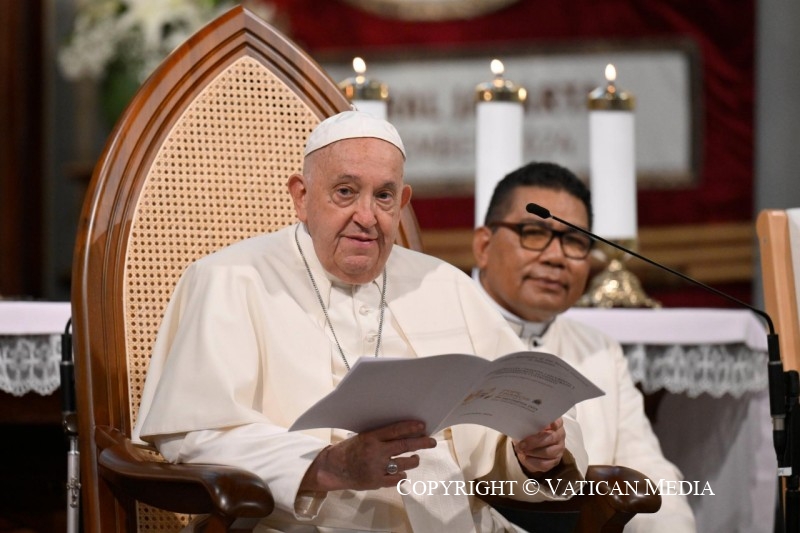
(498, 135)
(612, 163)
(370, 96)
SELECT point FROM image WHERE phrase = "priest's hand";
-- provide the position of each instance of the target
(368, 460)
(542, 451)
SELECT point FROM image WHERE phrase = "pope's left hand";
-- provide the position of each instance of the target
(541, 452)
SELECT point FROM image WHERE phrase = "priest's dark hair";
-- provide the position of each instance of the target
(537, 174)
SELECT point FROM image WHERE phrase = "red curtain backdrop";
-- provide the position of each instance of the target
(723, 31)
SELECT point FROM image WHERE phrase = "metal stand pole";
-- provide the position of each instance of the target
(73, 486)
(791, 501)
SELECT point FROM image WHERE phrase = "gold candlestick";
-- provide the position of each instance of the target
(613, 182)
(615, 285)
(499, 132)
(499, 89)
(366, 94)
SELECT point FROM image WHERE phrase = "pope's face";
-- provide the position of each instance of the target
(534, 285)
(350, 196)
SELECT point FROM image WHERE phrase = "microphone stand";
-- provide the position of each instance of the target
(69, 421)
(791, 471)
(784, 386)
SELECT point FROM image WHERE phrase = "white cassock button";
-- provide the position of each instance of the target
(364, 310)
(371, 337)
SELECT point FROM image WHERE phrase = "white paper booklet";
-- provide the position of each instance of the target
(517, 394)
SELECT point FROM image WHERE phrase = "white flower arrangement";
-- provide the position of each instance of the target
(135, 34)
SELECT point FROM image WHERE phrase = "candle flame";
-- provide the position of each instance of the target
(611, 73)
(497, 67)
(359, 65)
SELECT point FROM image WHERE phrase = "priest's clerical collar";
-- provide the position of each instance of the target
(525, 329)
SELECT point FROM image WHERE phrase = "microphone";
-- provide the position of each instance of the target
(775, 373)
(67, 372)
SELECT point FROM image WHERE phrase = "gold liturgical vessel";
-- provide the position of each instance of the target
(615, 285)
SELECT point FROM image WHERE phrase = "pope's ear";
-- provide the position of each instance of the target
(405, 195)
(299, 192)
(480, 245)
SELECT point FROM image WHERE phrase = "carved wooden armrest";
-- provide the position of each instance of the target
(623, 493)
(222, 491)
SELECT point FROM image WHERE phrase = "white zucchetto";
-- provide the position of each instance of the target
(352, 125)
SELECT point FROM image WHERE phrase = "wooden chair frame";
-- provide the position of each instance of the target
(778, 277)
(779, 285)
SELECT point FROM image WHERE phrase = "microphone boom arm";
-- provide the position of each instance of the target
(779, 381)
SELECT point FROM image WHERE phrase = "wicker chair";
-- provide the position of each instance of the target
(197, 161)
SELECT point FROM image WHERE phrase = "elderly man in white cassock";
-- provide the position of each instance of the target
(258, 332)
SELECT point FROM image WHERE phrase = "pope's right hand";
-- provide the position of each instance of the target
(367, 460)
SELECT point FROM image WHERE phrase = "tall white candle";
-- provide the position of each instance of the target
(612, 160)
(370, 96)
(498, 135)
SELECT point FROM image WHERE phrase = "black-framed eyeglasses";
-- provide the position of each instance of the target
(537, 237)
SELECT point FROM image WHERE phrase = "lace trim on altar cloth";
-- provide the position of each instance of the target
(30, 363)
(718, 369)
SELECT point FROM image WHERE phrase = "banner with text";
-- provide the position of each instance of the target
(432, 104)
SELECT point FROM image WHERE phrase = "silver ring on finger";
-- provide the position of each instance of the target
(392, 468)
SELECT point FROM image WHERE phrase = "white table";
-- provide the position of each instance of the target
(693, 351)
(714, 423)
(30, 345)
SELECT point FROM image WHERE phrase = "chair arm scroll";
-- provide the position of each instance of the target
(222, 491)
(605, 509)
(618, 480)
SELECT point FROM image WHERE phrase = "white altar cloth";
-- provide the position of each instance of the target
(714, 423)
(693, 351)
(30, 345)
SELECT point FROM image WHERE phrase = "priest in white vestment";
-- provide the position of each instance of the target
(533, 270)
